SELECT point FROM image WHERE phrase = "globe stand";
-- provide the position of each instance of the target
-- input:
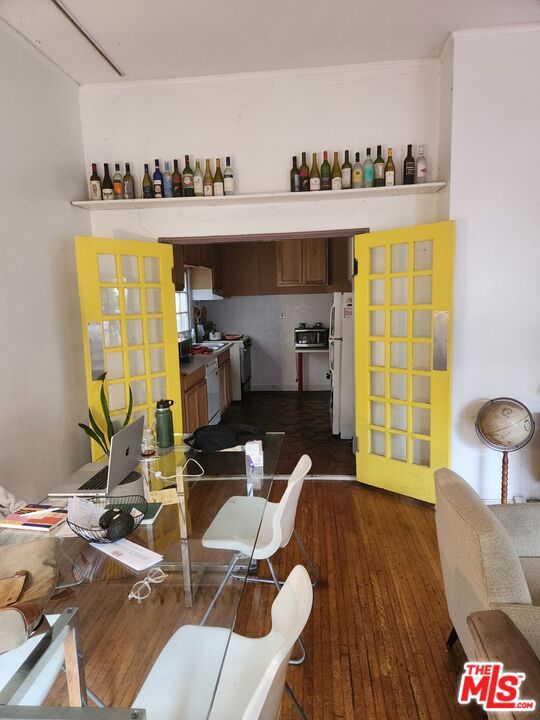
(504, 478)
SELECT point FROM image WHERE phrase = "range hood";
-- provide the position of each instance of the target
(202, 284)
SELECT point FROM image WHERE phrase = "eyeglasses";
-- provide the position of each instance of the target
(142, 589)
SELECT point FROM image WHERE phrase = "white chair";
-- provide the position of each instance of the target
(181, 682)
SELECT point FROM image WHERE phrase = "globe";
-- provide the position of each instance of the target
(504, 424)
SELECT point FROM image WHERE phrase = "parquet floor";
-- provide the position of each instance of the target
(375, 639)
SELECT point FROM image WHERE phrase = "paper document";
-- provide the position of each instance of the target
(130, 554)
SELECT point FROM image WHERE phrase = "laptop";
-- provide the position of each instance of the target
(124, 454)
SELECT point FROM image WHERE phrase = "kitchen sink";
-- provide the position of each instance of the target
(213, 346)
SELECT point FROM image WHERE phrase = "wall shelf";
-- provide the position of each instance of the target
(260, 198)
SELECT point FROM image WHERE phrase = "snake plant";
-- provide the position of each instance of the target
(103, 438)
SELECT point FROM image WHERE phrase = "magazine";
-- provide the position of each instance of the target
(35, 517)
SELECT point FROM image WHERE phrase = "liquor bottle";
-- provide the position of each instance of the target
(336, 173)
(198, 180)
(147, 187)
(118, 192)
(369, 170)
(128, 184)
(421, 166)
(357, 172)
(304, 174)
(167, 182)
(187, 179)
(107, 186)
(95, 184)
(228, 177)
(409, 167)
(157, 180)
(219, 186)
(208, 181)
(314, 175)
(295, 176)
(326, 173)
(378, 167)
(390, 170)
(176, 181)
(346, 173)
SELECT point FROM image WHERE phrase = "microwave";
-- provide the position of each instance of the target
(311, 337)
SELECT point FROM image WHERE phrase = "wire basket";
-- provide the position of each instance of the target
(126, 504)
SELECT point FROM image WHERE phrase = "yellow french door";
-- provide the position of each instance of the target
(403, 306)
(129, 327)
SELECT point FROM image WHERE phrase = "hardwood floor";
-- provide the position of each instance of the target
(376, 636)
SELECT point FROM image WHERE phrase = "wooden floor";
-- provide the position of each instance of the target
(376, 636)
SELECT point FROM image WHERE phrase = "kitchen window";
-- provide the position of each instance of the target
(184, 308)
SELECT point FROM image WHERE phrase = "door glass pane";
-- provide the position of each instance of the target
(151, 270)
(398, 386)
(114, 364)
(138, 388)
(422, 323)
(421, 356)
(398, 323)
(155, 330)
(130, 268)
(112, 334)
(377, 260)
(153, 300)
(398, 447)
(398, 417)
(159, 389)
(377, 384)
(421, 388)
(107, 268)
(422, 290)
(136, 362)
(133, 301)
(398, 355)
(117, 400)
(109, 301)
(377, 354)
(134, 332)
(423, 255)
(376, 322)
(399, 290)
(421, 420)
(157, 360)
(420, 452)
(400, 258)
(377, 292)
(378, 443)
(377, 413)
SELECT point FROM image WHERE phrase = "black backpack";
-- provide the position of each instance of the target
(220, 437)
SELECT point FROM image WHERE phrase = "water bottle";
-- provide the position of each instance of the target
(164, 424)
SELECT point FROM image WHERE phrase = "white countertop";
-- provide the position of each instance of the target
(199, 361)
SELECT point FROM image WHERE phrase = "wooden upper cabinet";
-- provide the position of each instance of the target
(178, 267)
(302, 262)
(192, 255)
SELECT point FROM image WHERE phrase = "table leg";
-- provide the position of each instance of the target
(300, 371)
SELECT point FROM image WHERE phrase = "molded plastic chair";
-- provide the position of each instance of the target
(181, 683)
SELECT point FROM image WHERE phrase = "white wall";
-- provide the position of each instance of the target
(272, 355)
(41, 364)
(496, 202)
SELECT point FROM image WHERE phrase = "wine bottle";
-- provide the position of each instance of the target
(176, 181)
(167, 182)
(219, 186)
(95, 184)
(295, 176)
(198, 180)
(357, 172)
(208, 181)
(389, 170)
(304, 174)
(346, 173)
(147, 187)
(378, 167)
(228, 177)
(336, 173)
(369, 170)
(314, 175)
(409, 167)
(421, 166)
(117, 183)
(187, 179)
(326, 173)
(157, 180)
(128, 184)
(107, 186)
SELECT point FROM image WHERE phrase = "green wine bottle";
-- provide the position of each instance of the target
(187, 179)
(176, 181)
(128, 184)
(336, 173)
(208, 181)
(378, 167)
(198, 180)
(304, 174)
(295, 176)
(314, 175)
(117, 183)
(346, 173)
(326, 173)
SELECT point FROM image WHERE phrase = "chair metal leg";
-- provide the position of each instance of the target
(313, 570)
(299, 660)
(451, 638)
(299, 709)
(230, 569)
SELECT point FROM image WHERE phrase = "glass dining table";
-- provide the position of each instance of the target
(122, 637)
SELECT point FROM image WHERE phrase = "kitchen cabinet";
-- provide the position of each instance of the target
(302, 262)
(178, 267)
(289, 256)
(195, 400)
(225, 381)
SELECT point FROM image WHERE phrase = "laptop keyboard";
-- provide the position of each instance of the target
(97, 481)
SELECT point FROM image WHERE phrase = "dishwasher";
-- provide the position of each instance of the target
(212, 392)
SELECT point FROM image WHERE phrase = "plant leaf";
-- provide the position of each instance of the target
(130, 408)
(98, 431)
(93, 435)
(106, 414)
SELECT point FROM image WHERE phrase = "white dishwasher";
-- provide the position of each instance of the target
(212, 392)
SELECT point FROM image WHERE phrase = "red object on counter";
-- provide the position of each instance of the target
(201, 351)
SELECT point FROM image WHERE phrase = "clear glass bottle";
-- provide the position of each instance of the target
(167, 182)
(228, 177)
(219, 186)
(336, 173)
(390, 170)
(378, 167)
(421, 166)
(128, 184)
(357, 172)
(369, 170)
(198, 180)
(118, 191)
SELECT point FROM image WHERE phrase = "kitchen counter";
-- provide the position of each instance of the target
(199, 361)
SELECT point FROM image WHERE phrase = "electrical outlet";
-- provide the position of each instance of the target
(283, 313)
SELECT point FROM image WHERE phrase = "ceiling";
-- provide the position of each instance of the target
(156, 39)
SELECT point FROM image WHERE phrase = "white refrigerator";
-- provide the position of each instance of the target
(341, 349)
